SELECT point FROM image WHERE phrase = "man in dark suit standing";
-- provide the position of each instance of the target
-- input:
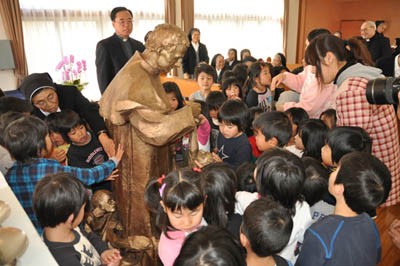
(378, 46)
(113, 52)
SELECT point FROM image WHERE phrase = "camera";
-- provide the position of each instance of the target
(383, 90)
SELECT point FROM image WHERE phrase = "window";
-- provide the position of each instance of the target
(256, 25)
(53, 29)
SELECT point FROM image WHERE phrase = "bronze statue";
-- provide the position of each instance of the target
(139, 117)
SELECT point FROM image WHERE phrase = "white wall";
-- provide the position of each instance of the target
(7, 78)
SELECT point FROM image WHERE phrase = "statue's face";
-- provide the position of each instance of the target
(170, 56)
(103, 200)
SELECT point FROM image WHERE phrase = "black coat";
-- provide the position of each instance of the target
(379, 47)
(189, 59)
(110, 58)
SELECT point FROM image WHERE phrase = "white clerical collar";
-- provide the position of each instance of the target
(47, 113)
(195, 46)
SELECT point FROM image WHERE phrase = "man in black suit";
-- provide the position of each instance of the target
(113, 52)
(378, 46)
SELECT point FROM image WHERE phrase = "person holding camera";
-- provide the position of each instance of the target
(335, 63)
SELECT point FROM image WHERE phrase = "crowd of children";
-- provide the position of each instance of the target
(285, 188)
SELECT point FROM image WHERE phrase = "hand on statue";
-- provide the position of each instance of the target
(276, 81)
(113, 175)
(111, 257)
(119, 153)
(58, 154)
(216, 157)
(394, 232)
(108, 144)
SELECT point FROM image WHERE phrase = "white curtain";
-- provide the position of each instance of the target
(54, 29)
(255, 24)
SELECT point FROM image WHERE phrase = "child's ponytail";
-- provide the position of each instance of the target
(179, 189)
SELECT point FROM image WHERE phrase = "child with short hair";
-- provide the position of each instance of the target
(177, 101)
(214, 101)
(254, 113)
(178, 201)
(211, 245)
(343, 140)
(174, 95)
(265, 231)
(259, 75)
(28, 142)
(329, 118)
(60, 143)
(311, 138)
(245, 177)
(272, 129)
(315, 189)
(205, 77)
(361, 182)
(59, 201)
(280, 175)
(232, 89)
(233, 146)
(296, 116)
(6, 161)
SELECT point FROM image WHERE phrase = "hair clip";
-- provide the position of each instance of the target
(161, 190)
(196, 169)
(161, 179)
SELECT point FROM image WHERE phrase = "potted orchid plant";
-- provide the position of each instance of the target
(72, 71)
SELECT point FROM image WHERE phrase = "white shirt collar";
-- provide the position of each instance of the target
(47, 114)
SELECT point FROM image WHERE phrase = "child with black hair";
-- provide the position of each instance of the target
(343, 140)
(254, 113)
(178, 201)
(329, 118)
(28, 142)
(296, 116)
(177, 101)
(205, 76)
(14, 104)
(220, 188)
(5, 158)
(311, 138)
(214, 101)
(211, 245)
(315, 189)
(59, 201)
(265, 231)
(232, 143)
(245, 177)
(279, 175)
(232, 89)
(272, 129)
(259, 76)
(85, 150)
(174, 95)
(361, 182)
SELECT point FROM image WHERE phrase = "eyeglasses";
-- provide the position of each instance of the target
(50, 99)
